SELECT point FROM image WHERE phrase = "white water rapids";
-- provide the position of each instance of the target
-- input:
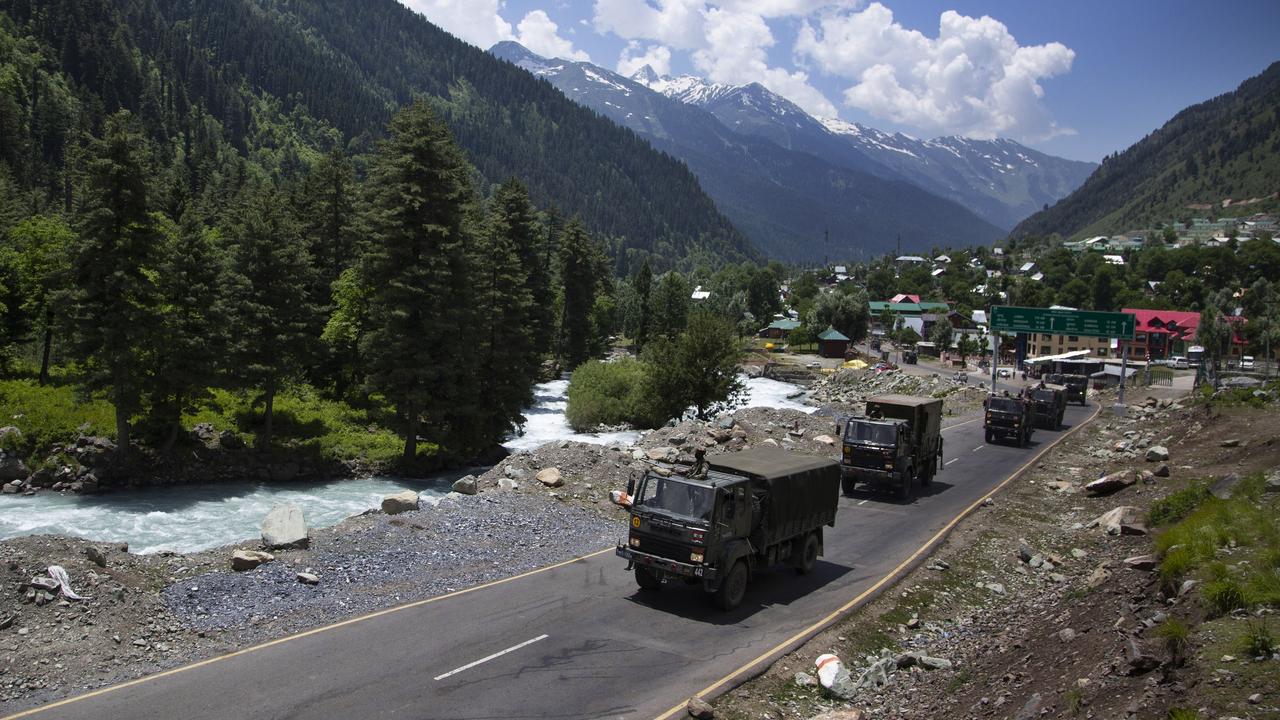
(190, 518)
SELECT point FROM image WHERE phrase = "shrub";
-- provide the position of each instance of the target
(50, 415)
(1183, 714)
(1175, 636)
(1224, 595)
(1258, 640)
(606, 393)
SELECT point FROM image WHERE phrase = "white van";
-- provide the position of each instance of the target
(1179, 362)
(1246, 362)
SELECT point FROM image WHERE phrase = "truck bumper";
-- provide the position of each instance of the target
(869, 474)
(671, 567)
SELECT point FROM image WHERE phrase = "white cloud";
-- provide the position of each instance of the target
(539, 33)
(677, 23)
(973, 79)
(475, 21)
(635, 56)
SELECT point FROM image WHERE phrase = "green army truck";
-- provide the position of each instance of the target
(747, 511)
(898, 443)
(1048, 406)
(1006, 416)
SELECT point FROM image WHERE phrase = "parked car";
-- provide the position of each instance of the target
(1179, 362)
(1246, 362)
(1004, 373)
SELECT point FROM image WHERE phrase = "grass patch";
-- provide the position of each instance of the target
(1183, 714)
(1074, 700)
(1176, 638)
(50, 415)
(1178, 505)
(959, 680)
(1258, 640)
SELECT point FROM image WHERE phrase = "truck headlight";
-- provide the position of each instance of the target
(635, 542)
(695, 557)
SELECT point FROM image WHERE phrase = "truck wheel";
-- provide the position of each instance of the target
(733, 587)
(847, 484)
(647, 579)
(990, 437)
(808, 554)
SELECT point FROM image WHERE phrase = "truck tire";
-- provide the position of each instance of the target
(990, 436)
(647, 579)
(808, 554)
(847, 484)
(733, 587)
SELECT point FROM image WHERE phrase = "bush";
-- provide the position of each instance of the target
(607, 393)
(1258, 640)
(1176, 638)
(50, 415)
(1224, 595)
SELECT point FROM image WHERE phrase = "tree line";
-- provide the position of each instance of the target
(407, 291)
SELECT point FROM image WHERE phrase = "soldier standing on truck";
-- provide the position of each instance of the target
(699, 469)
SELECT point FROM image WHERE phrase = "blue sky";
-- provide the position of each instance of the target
(1079, 79)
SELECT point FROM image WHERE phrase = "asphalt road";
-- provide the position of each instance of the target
(575, 641)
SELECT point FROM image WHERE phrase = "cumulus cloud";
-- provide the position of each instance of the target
(973, 79)
(635, 56)
(538, 32)
(480, 23)
(677, 23)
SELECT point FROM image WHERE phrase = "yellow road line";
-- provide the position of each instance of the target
(296, 636)
(817, 627)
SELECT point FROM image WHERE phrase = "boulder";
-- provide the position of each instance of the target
(825, 440)
(1162, 471)
(1157, 453)
(41, 583)
(12, 488)
(1139, 660)
(284, 527)
(1224, 487)
(1099, 576)
(513, 472)
(242, 560)
(551, 476)
(699, 708)
(658, 453)
(507, 483)
(1110, 483)
(1142, 562)
(1124, 520)
(12, 468)
(96, 555)
(1273, 482)
(466, 485)
(307, 578)
(400, 502)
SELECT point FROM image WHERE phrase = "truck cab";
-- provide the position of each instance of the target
(748, 510)
(1048, 406)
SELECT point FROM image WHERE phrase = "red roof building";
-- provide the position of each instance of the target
(1160, 334)
(904, 298)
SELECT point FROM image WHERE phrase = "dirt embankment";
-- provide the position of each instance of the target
(1036, 610)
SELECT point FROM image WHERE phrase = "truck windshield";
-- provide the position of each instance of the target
(861, 431)
(1004, 405)
(1042, 395)
(677, 497)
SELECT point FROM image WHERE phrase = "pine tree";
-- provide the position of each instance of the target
(643, 285)
(270, 300)
(420, 345)
(195, 324)
(511, 202)
(114, 272)
(669, 308)
(580, 279)
(326, 210)
(43, 254)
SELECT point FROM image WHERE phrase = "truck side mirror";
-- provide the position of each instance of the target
(631, 486)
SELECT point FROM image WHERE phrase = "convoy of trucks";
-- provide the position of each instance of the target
(716, 523)
(897, 443)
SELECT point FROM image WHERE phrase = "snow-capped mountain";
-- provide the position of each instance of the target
(1000, 180)
(785, 200)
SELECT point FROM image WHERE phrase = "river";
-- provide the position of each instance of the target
(190, 518)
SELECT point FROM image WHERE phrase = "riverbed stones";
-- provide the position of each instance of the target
(550, 477)
(12, 468)
(242, 560)
(1157, 453)
(96, 555)
(508, 484)
(307, 578)
(466, 485)
(284, 527)
(400, 502)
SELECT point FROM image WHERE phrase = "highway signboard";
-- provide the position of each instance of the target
(1008, 318)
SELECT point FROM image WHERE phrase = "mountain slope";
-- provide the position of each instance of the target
(1227, 147)
(1000, 180)
(348, 66)
(786, 201)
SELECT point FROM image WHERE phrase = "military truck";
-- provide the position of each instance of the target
(897, 443)
(1007, 417)
(1076, 387)
(747, 511)
(1048, 406)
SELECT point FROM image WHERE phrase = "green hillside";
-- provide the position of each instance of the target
(281, 82)
(1227, 147)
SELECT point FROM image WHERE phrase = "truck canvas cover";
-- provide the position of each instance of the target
(802, 491)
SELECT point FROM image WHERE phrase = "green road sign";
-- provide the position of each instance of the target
(1006, 318)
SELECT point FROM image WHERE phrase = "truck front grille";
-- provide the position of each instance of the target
(664, 548)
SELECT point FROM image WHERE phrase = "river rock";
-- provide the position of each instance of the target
(1162, 471)
(12, 468)
(508, 484)
(1224, 487)
(41, 583)
(1110, 483)
(96, 555)
(660, 453)
(513, 472)
(825, 440)
(466, 485)
(551, 476)
(400, 502)
(284, 527)
(1140, 661)
(1157, 453)
(307, 578)
(242, 560)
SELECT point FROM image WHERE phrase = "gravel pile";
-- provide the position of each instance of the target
(379, 560)
(849, 388)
